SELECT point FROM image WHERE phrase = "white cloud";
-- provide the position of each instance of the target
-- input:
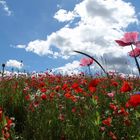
(39, 47)
(14, 63)
(5, 7)
(20, 46)
(63, 15)
(100, 23)
(69, 68)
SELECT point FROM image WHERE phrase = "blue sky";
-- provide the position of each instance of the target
(58, 27)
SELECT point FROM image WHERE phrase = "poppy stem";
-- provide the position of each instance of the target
(137, 64)
(89, 70)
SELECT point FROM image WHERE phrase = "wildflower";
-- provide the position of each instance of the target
(36, 103)
(127, 105)
(126, 87)
(26, 89)
(112, 135)
(67, 95)
(134, 100)
(75, 85)
(43, 96)
(115, 84)
(64, 87)
(86, 62)
(73, 98)
(5, 133)
(107, 121)
(102, 128)
(111, 95)
(130, 38)
(122, 111)
(52, 95)
(113, 107)
(73, 109)
(92, 89)
(27, 97)
(42, 84)
(57, 88)
(94, 83)
(135, 52)
(43, 90)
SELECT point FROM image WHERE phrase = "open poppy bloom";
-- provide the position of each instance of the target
(129, 39)
(134, 100)
(107, 121)
(126, 87)
(135, 52)
(86, 62)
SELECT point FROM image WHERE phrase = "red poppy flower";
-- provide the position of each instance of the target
(73, 109)
(92, 89)
(107, 121)
(115, 84)
(122, 111)
(27, 97)
(134, 100)
(94, 83)
(75, 85)
(126, 87)
(43, 96)
(43, 90)
(67, 95)
(112, 135)
(113, 107)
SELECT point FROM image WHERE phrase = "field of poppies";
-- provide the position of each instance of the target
(77, 107)
(51, 106)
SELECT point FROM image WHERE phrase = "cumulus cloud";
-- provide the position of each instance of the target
(5, 7)
(69, 68)
(14, 64)
(63, 15)
(99, 24)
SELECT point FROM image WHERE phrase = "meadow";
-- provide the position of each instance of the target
(51, 106)
(76, 107)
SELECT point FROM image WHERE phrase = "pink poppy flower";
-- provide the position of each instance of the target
(86, 62)
(111, 95)
(135, 52)
(129, 39)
